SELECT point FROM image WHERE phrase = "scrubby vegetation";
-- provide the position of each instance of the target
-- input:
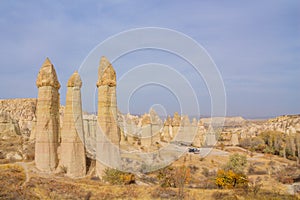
(275, 143)
(232, 175)
(176, 177)
(116, 177)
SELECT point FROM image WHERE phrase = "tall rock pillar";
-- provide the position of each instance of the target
(108, 143)
(72, 144)
(47, 125)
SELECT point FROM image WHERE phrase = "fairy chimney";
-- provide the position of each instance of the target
(47, 114)
(72, 145)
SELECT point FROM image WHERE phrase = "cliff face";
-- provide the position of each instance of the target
(22, 111)
(20, 115)
(18, 119)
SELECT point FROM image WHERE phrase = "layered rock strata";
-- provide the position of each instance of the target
(47, 114)
(72, 133)
(109, 137)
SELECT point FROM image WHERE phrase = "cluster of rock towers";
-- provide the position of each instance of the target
(57, 147)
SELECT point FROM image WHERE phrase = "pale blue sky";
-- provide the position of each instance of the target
(255, 45)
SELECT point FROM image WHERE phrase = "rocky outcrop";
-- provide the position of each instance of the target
(8, 126)
(234, 139)
(176, 120)
(150, 129)
(176, 124)
(47, 114)
(167, 132)
(21, 111)
(11, 141)
(72, 136)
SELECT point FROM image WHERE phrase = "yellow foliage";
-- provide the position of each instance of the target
(230, 179)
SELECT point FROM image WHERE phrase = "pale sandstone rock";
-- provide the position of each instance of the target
(167, 132)
(14, 156)
(107, 102)
(156, 127)
(90, 127)
(107, 144)
(47, 127)
(176, 119)
(72, 145)
(176, 124)
(8, 126)
(234, 139)
(185, 121)
(151, 126)
(194, 122)
(21, 111)
(155, 119)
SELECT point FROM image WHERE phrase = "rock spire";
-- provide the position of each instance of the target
(107, 147)
(72, 144)
(47, 114)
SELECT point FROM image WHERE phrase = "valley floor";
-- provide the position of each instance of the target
(22, 181)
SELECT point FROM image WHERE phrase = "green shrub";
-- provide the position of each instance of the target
(236, 163)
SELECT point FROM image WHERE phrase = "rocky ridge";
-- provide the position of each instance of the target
(18, 119)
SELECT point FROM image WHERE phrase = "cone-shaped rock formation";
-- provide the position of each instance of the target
(72, 145)
(47, 114)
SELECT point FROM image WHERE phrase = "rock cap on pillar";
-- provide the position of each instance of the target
(47, 75)
(47, 115)
(106, 73)
(75, 80)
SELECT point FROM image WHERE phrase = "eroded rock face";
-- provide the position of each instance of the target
(234, 139)
(176, 119)
(47, 125)
(72, 133)
(90, 127)
(10, 138)
(107, 144)
(8, 126)
(22, 112)
(107, 101)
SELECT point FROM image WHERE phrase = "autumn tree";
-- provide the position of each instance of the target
(230, 179)
(232, 175)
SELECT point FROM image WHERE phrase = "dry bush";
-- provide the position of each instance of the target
(221, 195)
(255, 185)
(163, 193)
(12, 178)
(251, 169)
(46, 188)
(175, 177)
(182, 176)
(165, 177)
(207, 184)
(193, 169)
(116, 177)
(205, 172)
(130, 192)
(286, 174)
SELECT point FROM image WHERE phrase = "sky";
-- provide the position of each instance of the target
(254, 44)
